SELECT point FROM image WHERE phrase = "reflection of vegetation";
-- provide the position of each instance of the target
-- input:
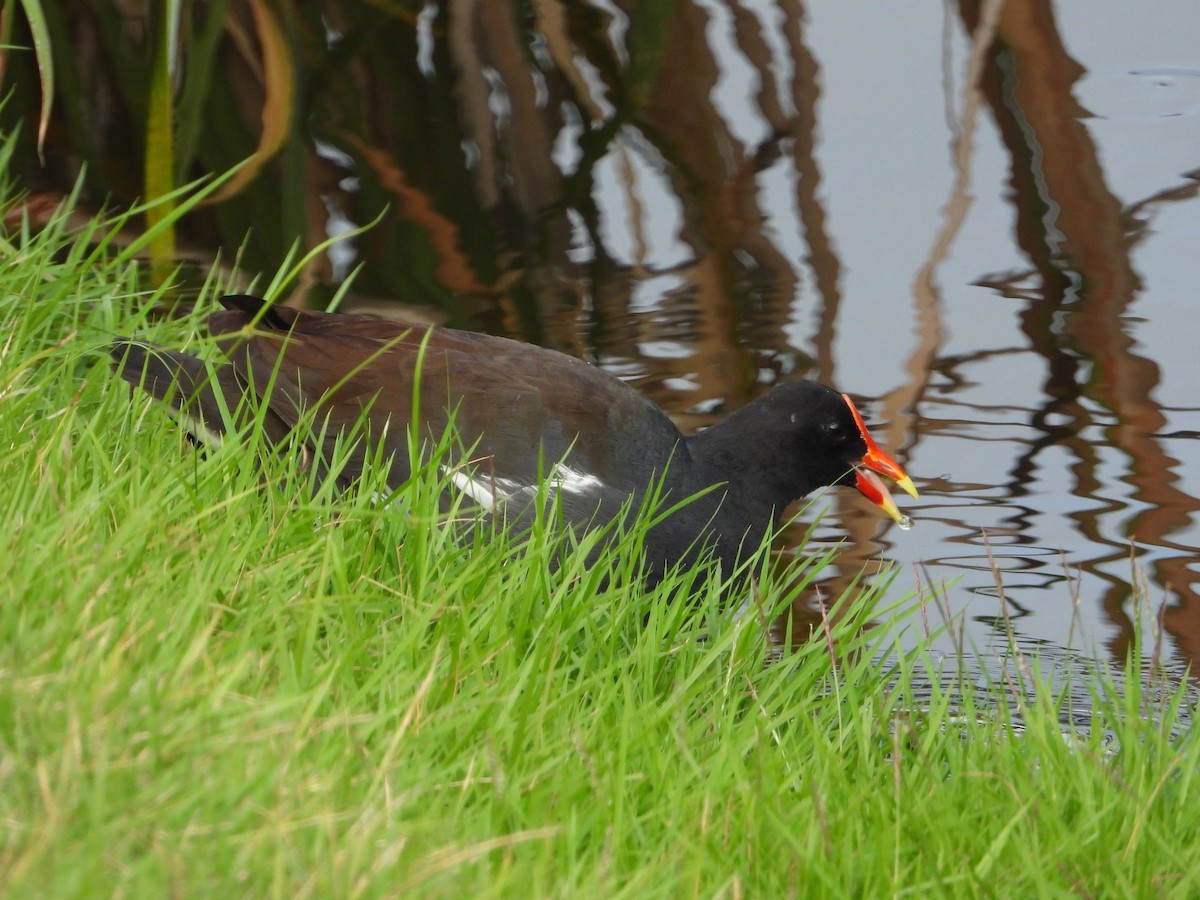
(144, 101)
(480, 127)
(142, 97)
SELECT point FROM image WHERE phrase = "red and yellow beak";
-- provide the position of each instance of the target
(875, 460)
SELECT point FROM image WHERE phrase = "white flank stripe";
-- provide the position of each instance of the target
(485, 490)
(489, 491)
(573, 481)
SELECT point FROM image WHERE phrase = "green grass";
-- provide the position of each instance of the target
(212, 686)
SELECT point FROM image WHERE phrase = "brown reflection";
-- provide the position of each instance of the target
(930, 332)
(1078, 237)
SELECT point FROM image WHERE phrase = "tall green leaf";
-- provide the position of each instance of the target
(159, 175)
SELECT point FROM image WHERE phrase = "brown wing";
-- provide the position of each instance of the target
(507, 399)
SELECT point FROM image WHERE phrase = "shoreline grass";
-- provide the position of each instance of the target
(214, 687)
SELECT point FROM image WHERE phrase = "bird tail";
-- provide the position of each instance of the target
(203, 397)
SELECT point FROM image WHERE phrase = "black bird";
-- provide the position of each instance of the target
(519, 411)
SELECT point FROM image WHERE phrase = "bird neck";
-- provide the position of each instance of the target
(755, 470)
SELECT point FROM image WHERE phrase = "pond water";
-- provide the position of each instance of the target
(1018, 281)
(982, 219)
(995, 241)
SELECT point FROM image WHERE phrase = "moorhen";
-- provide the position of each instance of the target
(519, 411)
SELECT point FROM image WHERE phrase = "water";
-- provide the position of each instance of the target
(1006, 276)
(995, 249)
